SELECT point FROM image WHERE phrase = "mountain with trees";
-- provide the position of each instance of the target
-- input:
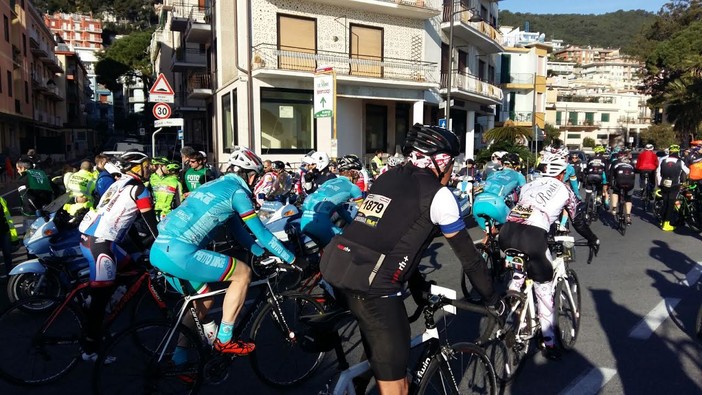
(613, 30)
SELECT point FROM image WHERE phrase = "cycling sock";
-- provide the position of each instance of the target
(225, 332)
(180, 355)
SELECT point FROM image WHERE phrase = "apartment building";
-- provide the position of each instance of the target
(77, 30)
(585, 55)
(80, 138)
(390, 59)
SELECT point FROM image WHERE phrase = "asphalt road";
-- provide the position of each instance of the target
(639, 299)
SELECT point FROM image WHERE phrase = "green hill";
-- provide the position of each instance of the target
(613, 30)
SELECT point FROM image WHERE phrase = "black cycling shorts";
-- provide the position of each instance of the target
(385, 332)
(532, 241)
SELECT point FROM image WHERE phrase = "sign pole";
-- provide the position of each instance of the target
(153, 142)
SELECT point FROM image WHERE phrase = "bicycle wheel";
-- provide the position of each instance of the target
(466, 370)
(137, 367)
(567, 307)
(508, 351)
(37, 351)
(692, 218)
(495, 273)
(698, 324)
(278, 359)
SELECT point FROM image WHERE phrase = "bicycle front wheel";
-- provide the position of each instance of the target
(38, 347)
(278, 359)
(466, 370)
(567, 308)
(698, 324)
(132, 363)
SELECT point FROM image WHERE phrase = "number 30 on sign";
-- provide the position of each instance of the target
(162, 111)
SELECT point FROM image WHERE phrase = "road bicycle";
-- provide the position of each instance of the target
(144, 351)
(593, 203)
(646, 191)
(621, 214)
(513, 341)
(42, 346)
(490, 250)
(442, 368)
(687, 206)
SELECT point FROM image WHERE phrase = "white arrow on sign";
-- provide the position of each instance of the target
(163, 123)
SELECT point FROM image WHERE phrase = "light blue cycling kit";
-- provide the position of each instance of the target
(186, 231)
(491, 201)
(319, 207)
(571, 175)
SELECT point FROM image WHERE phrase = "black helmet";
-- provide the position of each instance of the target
(350, 162)
(431, 140)
(510, 159)
(278, 165)
(131, 159)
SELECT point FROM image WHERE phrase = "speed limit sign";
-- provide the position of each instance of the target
(162, 111)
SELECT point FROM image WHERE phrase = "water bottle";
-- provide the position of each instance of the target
(210, 329)
(116, 297)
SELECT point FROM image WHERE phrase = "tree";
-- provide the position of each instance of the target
(509, 132)
(589, 142)
(508, 146)
(661, 136)
(552, 135)
(127, 57)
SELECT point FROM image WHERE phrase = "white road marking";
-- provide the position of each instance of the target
(590, 383)
(648, 325)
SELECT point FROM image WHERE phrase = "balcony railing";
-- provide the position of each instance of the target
(415, 9)
(472, 84)
(465, 17)
(520, 79)
(199, 81)
(586, 99)
(269, 56)
(520, 116)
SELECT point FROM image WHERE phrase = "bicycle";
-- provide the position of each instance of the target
(512, 342)
(593, 203)
(50, 338)
(687, 206)
(621, 214)
(273, 318)
(490, 250)
(443, 368)
(646, 191)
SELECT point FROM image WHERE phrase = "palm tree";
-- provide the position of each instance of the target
(509, 132)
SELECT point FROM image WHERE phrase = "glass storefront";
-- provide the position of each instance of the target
(287, 121)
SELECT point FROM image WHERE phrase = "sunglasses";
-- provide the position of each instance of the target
(193, 160)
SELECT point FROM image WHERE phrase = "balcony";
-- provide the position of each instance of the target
(199, 29)
(413, 9)
(519, 81)
(269, 60)
(52, 92)
(188, 59)
(52, 63)
(471, 88)
(38, 82)
(199, 86)
(180, 16)
(480, 34)
(16, 57)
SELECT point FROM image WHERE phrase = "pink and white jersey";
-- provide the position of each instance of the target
(117, 209)
(541, 202)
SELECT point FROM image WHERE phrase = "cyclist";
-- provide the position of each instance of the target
(540, 204)
(166, 186)
(180, 250)
(623, 178)
(500, 189)
(380, 250)
(103, 230)
(669, 177)
(327, 200)
(646, 164)
(197, 174)
(696, 166)
(269, 184)
(595, 175)
(318, 172)
(104, 178)
(494, 164)
(392, 162)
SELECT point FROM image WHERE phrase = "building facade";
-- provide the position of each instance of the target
(77, 30)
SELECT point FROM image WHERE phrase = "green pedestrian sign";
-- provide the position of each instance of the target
(324, 91)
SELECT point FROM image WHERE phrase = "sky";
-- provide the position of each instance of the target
(579, 6)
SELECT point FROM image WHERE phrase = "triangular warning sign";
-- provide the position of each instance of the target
(161, 86)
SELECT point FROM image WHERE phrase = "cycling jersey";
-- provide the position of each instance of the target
(265, 186)
(117, 210)
(670, 172)
(491, 201)
(624, 176)
(319, 207)
(572, 176)
(382, 247)
(167, 191)
(313, 179)
(595, 171)
(104, 180)
(490, 167)
(647, 161)
(541, 202)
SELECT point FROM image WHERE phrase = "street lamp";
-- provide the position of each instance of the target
(474, 18)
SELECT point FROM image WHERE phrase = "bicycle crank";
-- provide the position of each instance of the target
(216, 369)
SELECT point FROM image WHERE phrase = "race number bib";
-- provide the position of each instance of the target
(523, 212)
(372, 209)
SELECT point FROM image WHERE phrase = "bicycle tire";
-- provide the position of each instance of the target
(692, 218)
(145, 308)
(567, 319)
(477, 375)
(505, 352)
(277, 352)
(23, 286)
(136, 369)
(30, 349)
(698, 324)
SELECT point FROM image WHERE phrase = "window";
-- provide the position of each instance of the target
(559, 116)
(297, 36)
(7, 27)
(602, 137)
(229, 137)
(572, 118)
(604, 117)
(573, 135)
(26, 92)
(366, 44)
(9, 83)
(287, 122)
(590, 118)
(376, 128)
(24, 44)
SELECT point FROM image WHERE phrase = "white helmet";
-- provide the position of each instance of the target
(395, 161)
(244, 158)
(498, 155)
(321, 159)
(649, 147)
(112, 168)
(555, 165)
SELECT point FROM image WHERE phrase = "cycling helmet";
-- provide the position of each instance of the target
(510, 159)
(130, 159)
(395, 161)
(674, 148)
(498, 155)
(173, 166)
(600, 149)
(430, 141)
(554, 165)
(278, 165)
(350, 162)
(321, 159)
(243, 158)
(159, 160)
(649, 147)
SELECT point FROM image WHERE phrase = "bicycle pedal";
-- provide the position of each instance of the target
(216, 369)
